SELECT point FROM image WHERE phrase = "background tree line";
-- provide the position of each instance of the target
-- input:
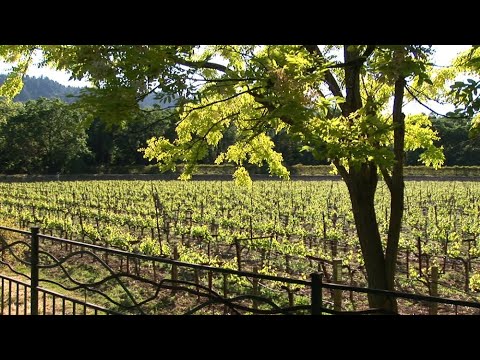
(40, 133)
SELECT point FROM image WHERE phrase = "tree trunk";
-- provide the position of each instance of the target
(396, 186)
(380, 263)
(362, 185)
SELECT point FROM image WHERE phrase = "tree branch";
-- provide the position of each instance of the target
(217, 102)
(151, 125)
(144, 95)
(229, 80)
(191, 144)
(429, 108)
(222, 100)
(203, 65)
(341, 169)
(386, 177)
(329, 78)
(356, 62)
(368, 51)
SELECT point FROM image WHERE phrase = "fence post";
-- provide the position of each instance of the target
(434, 290)
(34, 271)
(174, 268)
(197, 284)
(316, 295)
(337, 279)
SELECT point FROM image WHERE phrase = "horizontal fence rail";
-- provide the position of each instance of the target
(102, 280)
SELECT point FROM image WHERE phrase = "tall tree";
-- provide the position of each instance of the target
(117, 144)
(459, 147)
(45, 136)
(334, 99)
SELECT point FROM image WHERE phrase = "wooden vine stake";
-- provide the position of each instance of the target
(337, 279)
(255, 288)
(408, 263)
(238, 250)
(433, 310)
(225, 293)
(419, 247)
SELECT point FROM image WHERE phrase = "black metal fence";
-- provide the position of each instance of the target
(16, 299)
(102, 280)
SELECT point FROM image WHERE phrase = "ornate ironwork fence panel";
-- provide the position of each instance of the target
(100, 280)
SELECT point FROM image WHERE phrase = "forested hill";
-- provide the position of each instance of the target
(35, 88)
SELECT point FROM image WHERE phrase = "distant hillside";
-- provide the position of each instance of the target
(150, 101)
(35, 88)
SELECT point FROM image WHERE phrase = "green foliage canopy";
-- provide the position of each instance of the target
(259, 90)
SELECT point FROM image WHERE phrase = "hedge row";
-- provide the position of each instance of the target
(296, 170)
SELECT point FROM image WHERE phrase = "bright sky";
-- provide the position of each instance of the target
(443, 55)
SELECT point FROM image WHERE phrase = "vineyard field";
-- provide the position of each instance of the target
(288, 229)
